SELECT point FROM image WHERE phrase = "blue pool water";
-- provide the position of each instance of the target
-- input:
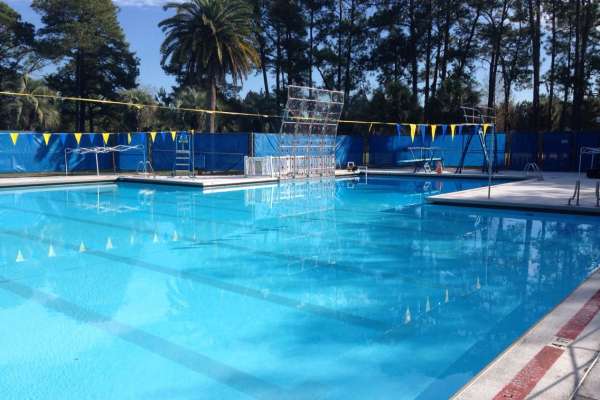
(307, 290)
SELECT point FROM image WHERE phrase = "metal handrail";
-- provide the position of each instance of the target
(597, 194)
(576, 193)
(534, 169)
(143, 167)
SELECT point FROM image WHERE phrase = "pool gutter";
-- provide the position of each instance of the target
(552, 359)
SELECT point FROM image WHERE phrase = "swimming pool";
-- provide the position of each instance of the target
(304, 290)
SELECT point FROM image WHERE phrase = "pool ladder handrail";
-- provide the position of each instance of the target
(532, 169)
(577, 192)
(145, 167)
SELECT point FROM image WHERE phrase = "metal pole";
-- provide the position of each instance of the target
(66, 164)
(97, 166)
(490, 162)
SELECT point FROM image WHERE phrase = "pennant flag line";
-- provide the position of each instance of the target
(413, 131)
(77, 137)
(105, 137)
(46, 137)
(433, 128)
(152, 136)
(173, 134)
(14, 136)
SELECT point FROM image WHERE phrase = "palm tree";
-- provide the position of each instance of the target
(33, 110)
(207, 40)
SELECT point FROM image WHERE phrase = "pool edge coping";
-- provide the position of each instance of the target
(543, 328)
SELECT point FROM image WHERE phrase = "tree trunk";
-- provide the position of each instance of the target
(414, 66)
(310, 46)
(550, 122)
(339, 45)
(79, 83)
(349, 50)
(534, 11)
(213, 102)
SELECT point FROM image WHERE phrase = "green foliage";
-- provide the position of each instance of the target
(96, 61)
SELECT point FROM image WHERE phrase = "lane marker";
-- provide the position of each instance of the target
(528, 377)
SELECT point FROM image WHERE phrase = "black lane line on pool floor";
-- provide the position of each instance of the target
(318, 264)
(230, 287)
(219, 241)
(216, 370)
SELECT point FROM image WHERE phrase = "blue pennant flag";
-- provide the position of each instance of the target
(92, 136)
(163, 135)
(444, 129)
(63, 138)
(423, 129)
(398, 129)
(460, 129)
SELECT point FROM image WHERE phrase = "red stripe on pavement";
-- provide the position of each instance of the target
(526, 379)
(575, 326)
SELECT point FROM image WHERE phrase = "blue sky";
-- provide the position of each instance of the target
(139, 19)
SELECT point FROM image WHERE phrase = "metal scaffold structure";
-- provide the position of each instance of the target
(307, 140)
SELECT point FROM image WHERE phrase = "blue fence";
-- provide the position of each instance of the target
(393, 151)
(29, 152)
(347, 148)
(560, 149)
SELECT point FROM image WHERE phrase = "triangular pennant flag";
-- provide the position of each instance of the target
(46, 137)
(427, 305)
(77, 137)
(413, 131)
(447, 296)
(109, 243)
(173, 135)
(407, 317)
(82, 248)
(63, 138)
(163, 136)
(152, 136)
(452, 130)
(20, 257)
(92, 136)
(175, 236)
(460, 129)
(105, 137)
(129, 138)
(433, 128)
(155, 238)
(398, 129)
(51, 252)
(485, 128)
(444, 130)
(14, 136)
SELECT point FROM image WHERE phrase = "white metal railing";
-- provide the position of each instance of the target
(290, 166)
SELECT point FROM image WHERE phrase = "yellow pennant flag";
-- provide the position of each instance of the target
(14, 136)
(173, 134)
(152, 136)
(413, 131)
(485, 128)
(129, 138)
(77, 137)
(433, 128)
(105, 137)
(46, 137)
(452, 130)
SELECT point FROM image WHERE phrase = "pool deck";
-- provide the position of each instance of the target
(550, 194)
(558, 358)
(201, 181)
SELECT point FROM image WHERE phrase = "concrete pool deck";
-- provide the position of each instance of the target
(550, 194)
(200, 181)
(556, 359)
